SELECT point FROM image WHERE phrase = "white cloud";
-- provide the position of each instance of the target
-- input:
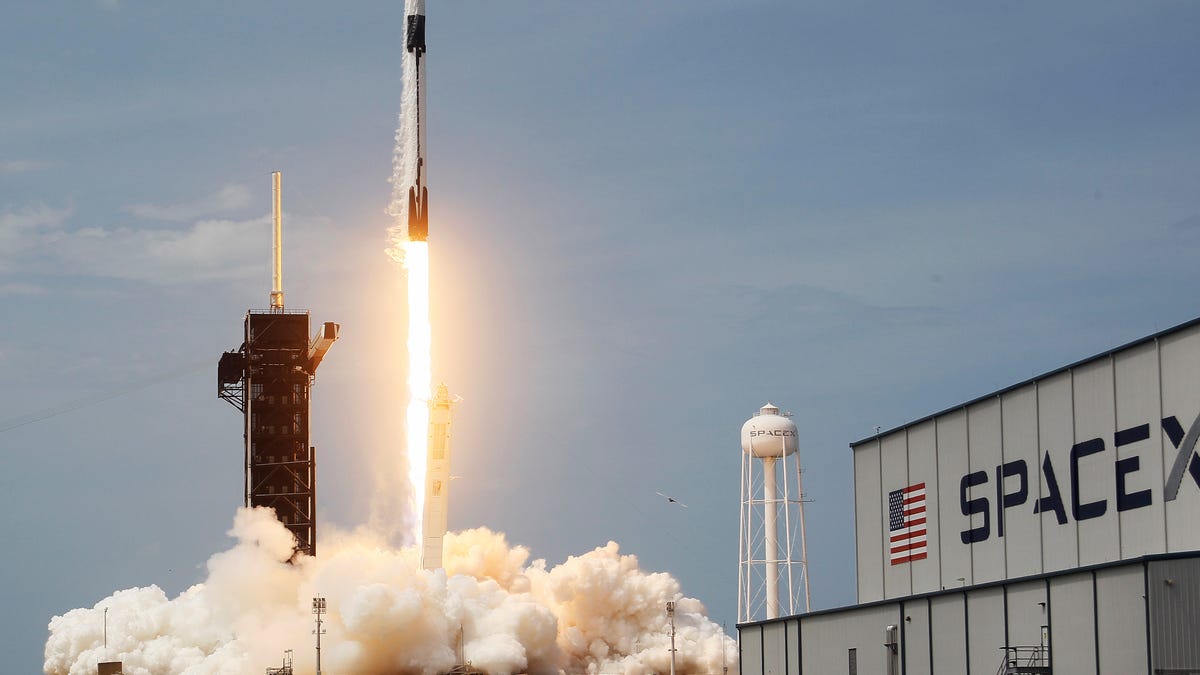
(228, 198)
(8, 166)
(23, 229)
(37, 241)
(207, 250)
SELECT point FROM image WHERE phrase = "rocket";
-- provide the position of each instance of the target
(435, 515)
(418, 194)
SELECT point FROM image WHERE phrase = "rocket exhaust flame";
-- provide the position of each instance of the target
(410, 210)
(420, 372)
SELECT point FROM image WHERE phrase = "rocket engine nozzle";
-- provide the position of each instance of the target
(418, 209)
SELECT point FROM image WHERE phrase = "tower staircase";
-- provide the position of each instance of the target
(1026, 660)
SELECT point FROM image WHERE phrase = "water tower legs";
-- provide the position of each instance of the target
(770, 536)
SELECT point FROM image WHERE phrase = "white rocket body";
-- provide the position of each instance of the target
(417, 201)
(437, 480)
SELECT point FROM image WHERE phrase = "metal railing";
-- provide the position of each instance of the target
(1025, 660)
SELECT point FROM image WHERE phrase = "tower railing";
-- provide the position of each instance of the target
(1025, 660)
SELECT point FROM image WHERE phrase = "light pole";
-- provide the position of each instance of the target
(318, 608)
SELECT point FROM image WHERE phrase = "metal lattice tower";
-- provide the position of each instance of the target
(269, 379)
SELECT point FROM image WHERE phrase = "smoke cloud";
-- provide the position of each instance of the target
(595, 613)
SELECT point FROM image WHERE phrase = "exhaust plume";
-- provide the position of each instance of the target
(595, 613)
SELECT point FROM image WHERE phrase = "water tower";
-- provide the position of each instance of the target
(772, 519)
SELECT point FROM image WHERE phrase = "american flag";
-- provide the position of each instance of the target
(906, 524)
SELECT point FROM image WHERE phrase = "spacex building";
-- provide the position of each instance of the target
(1051, 527)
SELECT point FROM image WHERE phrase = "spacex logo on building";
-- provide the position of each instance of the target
(1064, 496)
(1186, 457)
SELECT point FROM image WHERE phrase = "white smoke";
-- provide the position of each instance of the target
(404, 154)
(595, 613)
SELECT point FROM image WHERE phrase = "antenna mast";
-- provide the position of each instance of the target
(277, 251)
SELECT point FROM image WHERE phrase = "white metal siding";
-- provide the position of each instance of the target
(1121, 620)
(1028, 611)
(893, 457)
(1072, 631)
(985, 626)
(937, 630)
(1094, 418)
(774, 646)
(1180, 381)
(922, 462)
(983, 425)
(1142, 530)
(1121, 397)
(949, 635)
(1174, 613)
(793, 641)
(828, 637)
(751, 657)
(952, 466)
(916, 636)
(1056, 433)
(868, 519)
(1022, 531)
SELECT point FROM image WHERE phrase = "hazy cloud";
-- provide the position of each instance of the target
(18, 288)
(39, 240)
(22, 229)
(228, 198)
(9, 166)
(206, 250)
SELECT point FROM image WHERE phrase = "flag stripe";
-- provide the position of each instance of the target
(910, 535)
(898, 548)
(909, 558)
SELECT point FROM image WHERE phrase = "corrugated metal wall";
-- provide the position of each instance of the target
(1095, 622)
(1174, 590)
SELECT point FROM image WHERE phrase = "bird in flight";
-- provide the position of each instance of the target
(671, 499)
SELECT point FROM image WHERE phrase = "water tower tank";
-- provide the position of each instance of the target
(769, 434)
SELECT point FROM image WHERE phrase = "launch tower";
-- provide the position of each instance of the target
(268, 379)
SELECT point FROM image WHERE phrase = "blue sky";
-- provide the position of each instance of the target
(647, 220)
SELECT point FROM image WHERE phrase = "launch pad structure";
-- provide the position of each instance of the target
(268, 379)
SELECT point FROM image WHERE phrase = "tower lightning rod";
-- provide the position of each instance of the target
(277, 251)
